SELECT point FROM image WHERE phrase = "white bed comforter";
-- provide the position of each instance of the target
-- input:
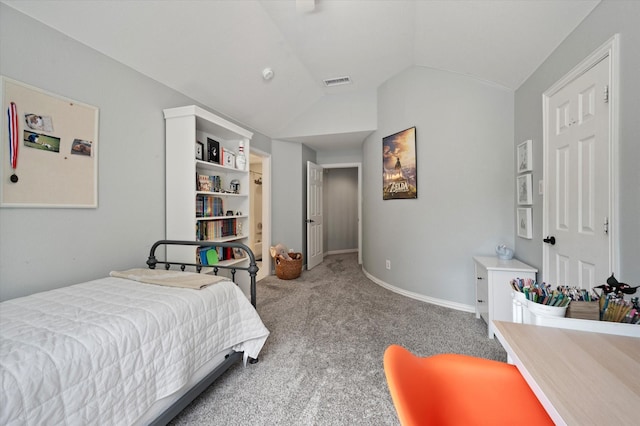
(103, 352)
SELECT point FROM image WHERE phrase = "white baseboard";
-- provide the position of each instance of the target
(355, 250)
(421, 297)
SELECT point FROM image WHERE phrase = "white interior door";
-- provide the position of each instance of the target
(315, 252)
(578, 171)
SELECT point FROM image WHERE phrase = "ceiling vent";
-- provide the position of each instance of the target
(330, 82)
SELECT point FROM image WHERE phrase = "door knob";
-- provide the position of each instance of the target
(550, 240)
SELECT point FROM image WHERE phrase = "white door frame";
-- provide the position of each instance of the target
(359, 167)
(611, 49)
(266, 208)
(315, 214)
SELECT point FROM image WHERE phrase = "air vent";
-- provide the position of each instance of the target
(337, 81)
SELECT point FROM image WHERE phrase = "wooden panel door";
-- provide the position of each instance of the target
(577, 157)
(315, 252)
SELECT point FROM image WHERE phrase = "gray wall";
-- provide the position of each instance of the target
(41, 249)
(339, 156)
(340, 209)
(465, 160)
(288, 183)
(607, 19)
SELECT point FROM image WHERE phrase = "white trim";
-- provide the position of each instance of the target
(609, 49)
(328, 253)
(421, 297)
(359, 167)
(266, 208)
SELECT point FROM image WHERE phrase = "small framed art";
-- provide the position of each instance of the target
(525, 163)
(213, 151)
(238, 253)
(229, 158)
(199, 151)
(523, 219)
(523, 185)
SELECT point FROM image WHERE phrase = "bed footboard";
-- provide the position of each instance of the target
(252, 269)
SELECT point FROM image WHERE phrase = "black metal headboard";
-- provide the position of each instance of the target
(252, 269)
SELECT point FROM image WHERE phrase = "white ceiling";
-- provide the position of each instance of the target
(214, 51)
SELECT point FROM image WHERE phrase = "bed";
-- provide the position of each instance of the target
(121, 350)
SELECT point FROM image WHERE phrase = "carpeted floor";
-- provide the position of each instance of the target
(322, 363)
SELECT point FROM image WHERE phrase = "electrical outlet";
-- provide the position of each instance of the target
(388, 264)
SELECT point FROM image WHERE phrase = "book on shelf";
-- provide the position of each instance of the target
(208, 183)
(205, 183)
(209, 206)
(207, 256)
(212, 229)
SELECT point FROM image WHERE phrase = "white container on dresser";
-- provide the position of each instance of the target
(493, 288)
(185, 220)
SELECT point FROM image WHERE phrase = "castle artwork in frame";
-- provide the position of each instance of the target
(399, 172)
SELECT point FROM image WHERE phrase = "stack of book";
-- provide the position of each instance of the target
(208, 183)
(209, 230)
(212, 255)
(209, 206)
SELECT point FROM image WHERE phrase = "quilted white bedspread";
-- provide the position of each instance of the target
(103, 352)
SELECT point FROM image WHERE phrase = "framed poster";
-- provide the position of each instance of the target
(399, 172)
(525, 160)
(523, 185)
(523, 220)
(49, 147)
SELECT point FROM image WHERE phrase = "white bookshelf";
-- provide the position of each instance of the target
(184, 127)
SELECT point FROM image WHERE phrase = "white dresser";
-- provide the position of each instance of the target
(493, 289)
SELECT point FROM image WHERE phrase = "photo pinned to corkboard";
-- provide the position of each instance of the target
(49, 145)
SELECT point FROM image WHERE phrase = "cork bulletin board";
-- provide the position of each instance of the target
(57, 149)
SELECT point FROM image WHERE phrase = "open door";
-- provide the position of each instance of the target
(578, 195)
(315, 252)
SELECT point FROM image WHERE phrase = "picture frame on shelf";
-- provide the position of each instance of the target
(238, 253)
(229, 158)
(524, 188)
(199, 151)
(523, 222)
(525, 160)
(213, 151)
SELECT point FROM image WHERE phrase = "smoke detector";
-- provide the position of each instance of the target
(267, 74)
(330, 82)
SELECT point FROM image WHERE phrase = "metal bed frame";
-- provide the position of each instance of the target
(233, 357)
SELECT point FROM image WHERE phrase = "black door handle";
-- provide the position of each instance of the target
(550, 240)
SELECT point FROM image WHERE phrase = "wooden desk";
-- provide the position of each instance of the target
(580, 377)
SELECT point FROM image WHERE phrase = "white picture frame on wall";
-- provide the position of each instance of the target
(524, 187)
(523, 222)
(525, 160)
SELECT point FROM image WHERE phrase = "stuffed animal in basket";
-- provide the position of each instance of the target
(280, 249)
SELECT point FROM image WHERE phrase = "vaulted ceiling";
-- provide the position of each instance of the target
(215, 51)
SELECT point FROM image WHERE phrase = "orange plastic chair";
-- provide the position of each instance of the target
(453, 389)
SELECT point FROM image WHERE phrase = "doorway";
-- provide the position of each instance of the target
(260, 202)
(579, 213)
(343, 185)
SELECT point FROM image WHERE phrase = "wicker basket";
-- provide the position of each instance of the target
(288, 269)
